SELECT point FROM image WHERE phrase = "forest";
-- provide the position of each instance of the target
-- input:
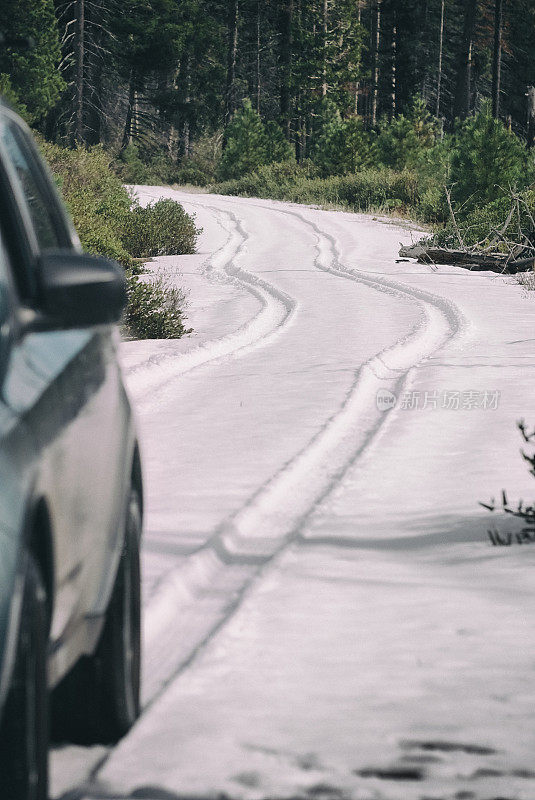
(161, 74)
(420, 107)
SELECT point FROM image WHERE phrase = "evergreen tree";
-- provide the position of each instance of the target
(487, 161)
(343, 145)
(30, 54)
(401, 141)
(246, 144)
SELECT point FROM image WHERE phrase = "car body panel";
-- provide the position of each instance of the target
(67, 438)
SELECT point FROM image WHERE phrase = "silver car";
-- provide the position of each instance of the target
(71, 496)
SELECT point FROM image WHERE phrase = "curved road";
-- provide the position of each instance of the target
(324, 611)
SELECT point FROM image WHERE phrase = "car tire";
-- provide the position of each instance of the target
(98, 701)
(24, 729)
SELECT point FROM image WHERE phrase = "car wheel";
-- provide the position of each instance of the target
(24, 729)
(98, 702)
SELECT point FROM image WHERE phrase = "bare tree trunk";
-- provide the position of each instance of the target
(94, 112)
(299, 146)
(258, 41)
(172, 142)
(231, 58)
(357, 83)
(324, 29)
(285, 61)
(531, 115)
(440, 56)
(393, 71)
(423, 47)
(135, 115)
(79, 48)
(464, 75)
(376, 41)
(127, 135)
(497, 57)
(186, 127)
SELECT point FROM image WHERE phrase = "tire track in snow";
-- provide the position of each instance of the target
(195, 601)
(277, 513)
(276, 310)
(278, 510)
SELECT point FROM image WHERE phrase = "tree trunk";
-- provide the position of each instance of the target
(440, 56)
(230, 99)
(497, 57)
(93, 107)
(376, 41)
(423, 49)
(324, 29)
(285, 62)
(258, 43)
(464, 74)
(393, 71)
(357, 83)
(79, 48)
(531, 115)
(130, 112)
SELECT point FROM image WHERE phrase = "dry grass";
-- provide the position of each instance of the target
(527, 280)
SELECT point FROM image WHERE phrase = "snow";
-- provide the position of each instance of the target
(324, 612)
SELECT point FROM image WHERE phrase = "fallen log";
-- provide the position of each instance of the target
(496, 262)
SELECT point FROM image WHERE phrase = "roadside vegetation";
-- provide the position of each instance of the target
(521, 510)
(111, 222)
(421, 109)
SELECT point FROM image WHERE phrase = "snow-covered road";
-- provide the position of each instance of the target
(324, 613)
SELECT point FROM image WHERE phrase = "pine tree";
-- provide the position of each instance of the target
(30, 55)
(246, 144)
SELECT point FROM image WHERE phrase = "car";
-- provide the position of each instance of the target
(71, 494)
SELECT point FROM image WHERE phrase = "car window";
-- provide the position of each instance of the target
(4, 286)
(37, 203)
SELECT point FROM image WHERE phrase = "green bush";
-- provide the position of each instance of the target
(131, 168)
(363, 191)
(250, 144)
(401, 141)
(276, 145)
(343, 146)
(487, 160)
(110, 223)
(269, 180)
(98, 202)
(160, 229)
(189, 171)
(8, 93)
(155, 309)
(156, 166)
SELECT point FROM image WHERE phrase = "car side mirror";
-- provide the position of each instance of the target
(77, 290)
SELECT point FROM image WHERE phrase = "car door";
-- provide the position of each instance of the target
(30, 397)
(81, 439)
(18, 456)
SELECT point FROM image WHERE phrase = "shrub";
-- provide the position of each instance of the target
(110, 223)
(277, 147)
(343, 146)
(155, 309)
(161, 228)
(96, 198)
(402, 140)
(249, 144)
(363, 191)
(520, 510)
(130, 168)
(8, 93)
(487, 160)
